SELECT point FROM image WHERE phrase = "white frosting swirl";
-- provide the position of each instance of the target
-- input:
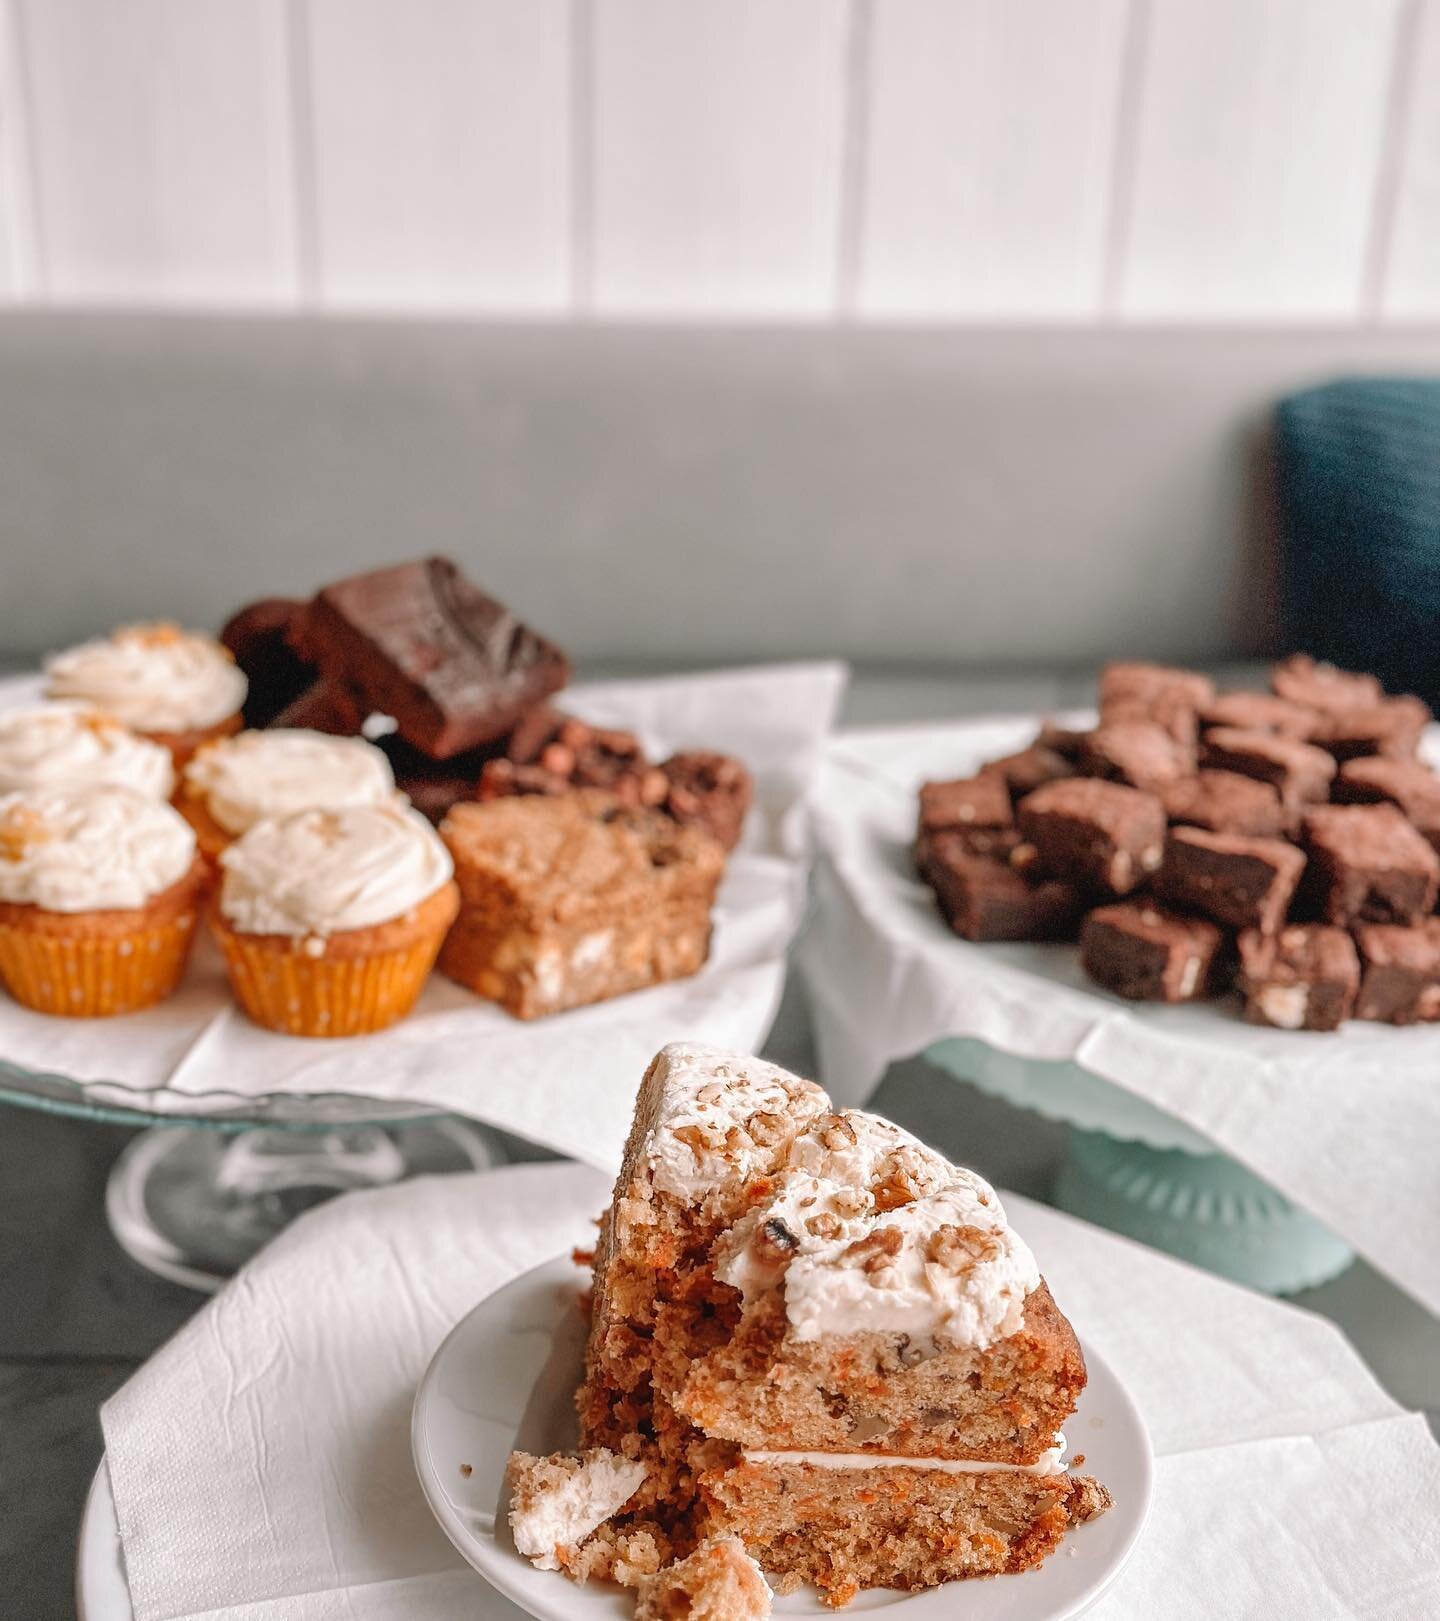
(318, 872)
(65, 745)
(101, 849)
(258, 774)
(154, 678)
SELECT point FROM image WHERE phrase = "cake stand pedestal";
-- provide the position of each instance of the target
(194, 1197)
(1133, 1169)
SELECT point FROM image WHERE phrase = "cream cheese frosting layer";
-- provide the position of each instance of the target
(70, 745)
(154, 678)
(101, 849)
(1050, 1463)
(864, 1230)
(319, 872)
(243, 779)
(562, 1517)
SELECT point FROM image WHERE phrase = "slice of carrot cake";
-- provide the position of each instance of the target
(818, 1335)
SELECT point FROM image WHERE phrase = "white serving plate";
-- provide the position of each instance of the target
(101, 1590)
(506, 1376)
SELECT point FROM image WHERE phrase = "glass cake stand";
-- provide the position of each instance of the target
(1132, 1168)
(195, 1195)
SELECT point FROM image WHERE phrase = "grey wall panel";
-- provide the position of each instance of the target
(972, 497)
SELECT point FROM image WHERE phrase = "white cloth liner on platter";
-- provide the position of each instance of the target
(568, 1081)
(261, 1468)
(1344, 1124)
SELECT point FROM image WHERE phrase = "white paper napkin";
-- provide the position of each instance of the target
(1346, 1125)
(567, 1081)
(261, 1464)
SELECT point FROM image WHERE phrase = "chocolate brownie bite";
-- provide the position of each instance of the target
(1128, 681)
(994, 842)
(1259, 712)
(1298, 772)
(1303, 978)
(1101, 835)
(421, 643)
(1392, 728)
(433, 786)
(1225, 802)
(710, 791)
(985, 899)
(1139, 753)
(965, 802)
(505, 779)
(1168, 697)
(324, 706)
(1399, 972)
(549, 754)
(1031, 768)
(1240, 882)
(1367, 865)
(1326, 687)
(259, 639)
(1066, 741)
(1373, 780)
(1147, 954)
(539, 726)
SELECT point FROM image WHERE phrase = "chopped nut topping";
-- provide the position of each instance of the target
(696, 1139)
(958, 1249)
(875, 1251)
(835, 1131)
(901, 1179)
(850, 1202)
(824, 1226)
(766, 1128)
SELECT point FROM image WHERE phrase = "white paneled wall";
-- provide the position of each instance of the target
(161, 148)
(715, 148)
(1257, 156)
(1054, 160)
(441, 149)
(989, 154)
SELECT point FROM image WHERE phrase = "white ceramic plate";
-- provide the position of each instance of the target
(101, 1591)
(506, 1377)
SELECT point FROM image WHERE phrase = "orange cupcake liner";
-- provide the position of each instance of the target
(98, 976)
(282, 987)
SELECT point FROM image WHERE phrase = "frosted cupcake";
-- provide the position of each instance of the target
(65, 745)
(100, 889)
(171, 685)
(238, 781)
(330, 920)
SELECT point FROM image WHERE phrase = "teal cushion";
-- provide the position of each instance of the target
(1359, 485)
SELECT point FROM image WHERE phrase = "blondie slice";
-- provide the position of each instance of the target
(576, 898)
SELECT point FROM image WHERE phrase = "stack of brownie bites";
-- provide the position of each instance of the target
(1284, 842)
(584, 868)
